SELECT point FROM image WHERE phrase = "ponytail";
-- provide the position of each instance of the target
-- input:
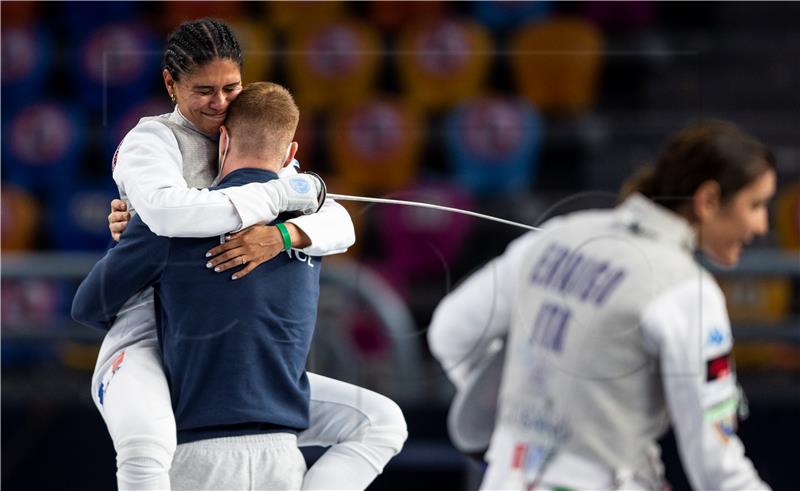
(643, 182)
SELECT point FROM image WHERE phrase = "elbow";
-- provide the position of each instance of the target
(349, 235)
(84, 312)
(346, 227)
(77, 312)
(158, 221)
(338, 214)
(80, 311)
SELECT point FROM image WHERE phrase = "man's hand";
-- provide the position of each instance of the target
(251, 247)
(118, 218)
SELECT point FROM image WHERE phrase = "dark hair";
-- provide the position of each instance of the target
(712, 150)
(197, 42)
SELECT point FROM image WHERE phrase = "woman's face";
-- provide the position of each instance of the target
(736, 223)
(204, 94)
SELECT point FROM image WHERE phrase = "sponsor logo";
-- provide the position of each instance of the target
(104, 385)
(527, 459)
(715, 337)
(520, 450)
(722, 417)
(534, 459)
(719, 367)
(725, 430)
(117, 363)
(299, 185)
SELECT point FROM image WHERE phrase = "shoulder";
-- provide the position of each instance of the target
(150, 136)
(150, 128)
(594, 217)
(160, 118)
(691, 303)
(290, 169)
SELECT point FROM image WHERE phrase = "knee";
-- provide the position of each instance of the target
(385, 423)
(145, 455)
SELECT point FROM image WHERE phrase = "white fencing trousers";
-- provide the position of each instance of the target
(132, 395)
(264, 462)
(364, 429)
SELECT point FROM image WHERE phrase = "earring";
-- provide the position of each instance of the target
(172, 97)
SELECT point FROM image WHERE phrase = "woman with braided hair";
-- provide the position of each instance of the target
(157, 167)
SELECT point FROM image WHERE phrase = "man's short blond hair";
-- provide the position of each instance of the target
(262, 120)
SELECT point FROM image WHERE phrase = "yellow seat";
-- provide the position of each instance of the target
(256, 41)
(332, 65)
(556, 63)
(21, 217)
(787, 217)
(288, 16)
(757, 299)
(444, 62)
(375, 145)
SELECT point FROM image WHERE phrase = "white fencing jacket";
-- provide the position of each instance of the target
(614, 332)
(163, 160)
(158, 169)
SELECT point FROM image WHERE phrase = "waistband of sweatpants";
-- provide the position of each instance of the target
(264, 440)
(230, 430)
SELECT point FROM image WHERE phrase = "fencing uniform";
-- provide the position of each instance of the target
(613, 332)
(234, 352)
(155, 166)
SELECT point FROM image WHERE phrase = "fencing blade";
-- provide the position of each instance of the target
(418, 204)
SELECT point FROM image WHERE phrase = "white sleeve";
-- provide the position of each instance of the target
(148, 170)
(330, 229)
(688, 329)
(471, 317)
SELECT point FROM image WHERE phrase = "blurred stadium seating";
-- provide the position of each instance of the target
(519, 109)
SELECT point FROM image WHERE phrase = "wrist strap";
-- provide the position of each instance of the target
(287, 239)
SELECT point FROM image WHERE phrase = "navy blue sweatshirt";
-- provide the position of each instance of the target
(234, 352)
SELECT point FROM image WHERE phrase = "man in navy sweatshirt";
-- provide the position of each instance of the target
(234, 352)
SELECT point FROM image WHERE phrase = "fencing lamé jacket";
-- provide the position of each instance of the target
(614, 333)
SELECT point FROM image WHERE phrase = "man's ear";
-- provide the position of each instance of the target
(290, 153)
(706, 201)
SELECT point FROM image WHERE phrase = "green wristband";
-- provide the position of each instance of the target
(287, 239)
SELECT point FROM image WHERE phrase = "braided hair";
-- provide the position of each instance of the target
(197, 42)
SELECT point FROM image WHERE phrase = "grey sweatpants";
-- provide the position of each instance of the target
(253, 462)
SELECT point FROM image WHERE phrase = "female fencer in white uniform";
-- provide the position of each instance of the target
(615, 332)
(157, 167)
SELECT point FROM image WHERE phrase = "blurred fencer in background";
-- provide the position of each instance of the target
(613, 331)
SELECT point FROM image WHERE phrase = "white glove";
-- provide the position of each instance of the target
(302, 192)
(262, 202)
